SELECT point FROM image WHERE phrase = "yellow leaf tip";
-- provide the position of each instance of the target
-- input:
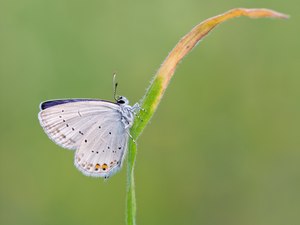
(261, 12)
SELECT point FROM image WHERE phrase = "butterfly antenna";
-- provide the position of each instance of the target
(115, 85)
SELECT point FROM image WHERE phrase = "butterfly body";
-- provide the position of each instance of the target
(97, 130)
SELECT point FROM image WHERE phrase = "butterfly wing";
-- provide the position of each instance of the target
(67, 121)
(103, 148)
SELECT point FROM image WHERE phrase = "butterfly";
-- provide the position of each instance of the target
(97, 130)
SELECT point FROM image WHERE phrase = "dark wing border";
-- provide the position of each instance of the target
(51, 103)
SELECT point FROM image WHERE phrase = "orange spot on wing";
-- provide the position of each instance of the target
(97, 166)
(104, 166)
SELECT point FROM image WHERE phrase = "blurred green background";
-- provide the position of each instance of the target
(223, 147)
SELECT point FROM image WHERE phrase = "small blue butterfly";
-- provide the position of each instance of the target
(97, 129)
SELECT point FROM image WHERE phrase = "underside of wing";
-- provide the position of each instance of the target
(67, 121)
(102, 151)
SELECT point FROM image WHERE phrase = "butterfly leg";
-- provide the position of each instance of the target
(138, 116)
(136, 109)
(131, 137)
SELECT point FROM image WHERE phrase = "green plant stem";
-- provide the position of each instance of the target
(130, 201)
(161, 80)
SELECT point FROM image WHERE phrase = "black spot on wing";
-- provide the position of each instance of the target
(51, 103)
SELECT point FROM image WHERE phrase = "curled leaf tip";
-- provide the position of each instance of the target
(259, 13)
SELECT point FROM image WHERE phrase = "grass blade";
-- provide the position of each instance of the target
(161, 80)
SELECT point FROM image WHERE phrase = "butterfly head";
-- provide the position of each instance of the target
(122, 100)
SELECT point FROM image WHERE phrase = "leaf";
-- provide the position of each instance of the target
(161, 80)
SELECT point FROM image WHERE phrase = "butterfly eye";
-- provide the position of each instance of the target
(122, 100)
